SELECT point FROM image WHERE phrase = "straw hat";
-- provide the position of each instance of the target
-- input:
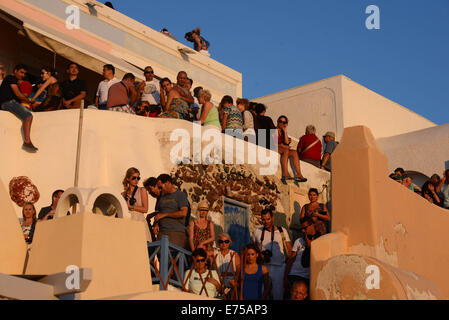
(203, 205)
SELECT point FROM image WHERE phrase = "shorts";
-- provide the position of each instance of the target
(126, 109)
(17, 109)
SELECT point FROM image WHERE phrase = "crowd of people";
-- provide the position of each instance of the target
(435, 190)
(267, 267)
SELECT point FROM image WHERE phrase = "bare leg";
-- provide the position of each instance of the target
(284, 162)
(26, 126)
(294, 155)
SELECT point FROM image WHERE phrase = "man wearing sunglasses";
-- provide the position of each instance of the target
(149, 90)
(173, 207)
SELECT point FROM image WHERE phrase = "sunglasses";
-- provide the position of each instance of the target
(223, 241)
(135, 178)
(283, 122)
(200, 260)
(146, 72)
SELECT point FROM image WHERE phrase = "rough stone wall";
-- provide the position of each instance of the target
(238, 182)
(22, 190)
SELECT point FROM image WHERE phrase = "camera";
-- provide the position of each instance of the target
(132, 201)
(267, 254)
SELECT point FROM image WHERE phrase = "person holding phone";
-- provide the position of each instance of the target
(316, 211)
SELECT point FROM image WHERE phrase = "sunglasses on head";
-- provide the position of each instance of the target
(135, 178)
(223, 241)
(200, 260)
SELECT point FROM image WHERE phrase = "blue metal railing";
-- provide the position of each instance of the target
(173, 263)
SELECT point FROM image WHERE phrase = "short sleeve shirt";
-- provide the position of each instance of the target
(151, 92)
(172, 203)
(297, 269)
(313, 152)
(195, 284)
(235, 118)
(330, 147)
(103, 89)
(276, 247)
(6, 93)
(72, 88)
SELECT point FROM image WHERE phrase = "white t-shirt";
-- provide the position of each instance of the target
(276, 247)
(103, 89)
(297, 269)
(151, 92)
(195, 283)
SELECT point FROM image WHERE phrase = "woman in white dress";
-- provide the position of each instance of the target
(136, 198)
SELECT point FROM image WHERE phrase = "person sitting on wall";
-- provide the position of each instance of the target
(178, 99)
(202, 280)
(399, 171)
(408, 182)
(286, 153)
(443, 189)
(194, 108)
(73, 90)
(122, 95)
(299, 291)
(232, 118)
(164, 31)
(248, 118)
(331, 144)
(316, 211)
(274, 243)
(209, 113)
(265, 128)
(173, 207)
(101, 99)
(309, 147)
(50, 90)
(430, 194)
(201, 230)
(136, 198)
(11, 99)
(47, 213)
(199, 43)
(149, 91)
(28, 221)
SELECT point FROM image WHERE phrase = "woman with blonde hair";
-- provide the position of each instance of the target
(209, 113)
(227, 261)
(29, 220)
(136, 198)
(201, 230)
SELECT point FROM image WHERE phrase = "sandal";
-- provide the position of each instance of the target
(300, 179)
(283, 180)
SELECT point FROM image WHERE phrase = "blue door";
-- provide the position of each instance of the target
(236, 223)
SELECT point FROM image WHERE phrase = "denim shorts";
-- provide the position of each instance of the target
(16, 108)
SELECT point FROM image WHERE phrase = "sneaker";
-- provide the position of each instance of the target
(29, 147)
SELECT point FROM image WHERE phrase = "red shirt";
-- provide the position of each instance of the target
(313, 152)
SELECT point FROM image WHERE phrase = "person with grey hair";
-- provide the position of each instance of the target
(331, 144)
(309, 147)
(209, 112)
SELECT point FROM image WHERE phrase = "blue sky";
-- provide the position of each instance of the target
(283, 44)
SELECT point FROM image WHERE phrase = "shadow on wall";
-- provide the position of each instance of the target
(218, 230)
(295, 223)
(280, 219)
(446, 165)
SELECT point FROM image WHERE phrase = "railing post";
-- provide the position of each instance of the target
(164, 261)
